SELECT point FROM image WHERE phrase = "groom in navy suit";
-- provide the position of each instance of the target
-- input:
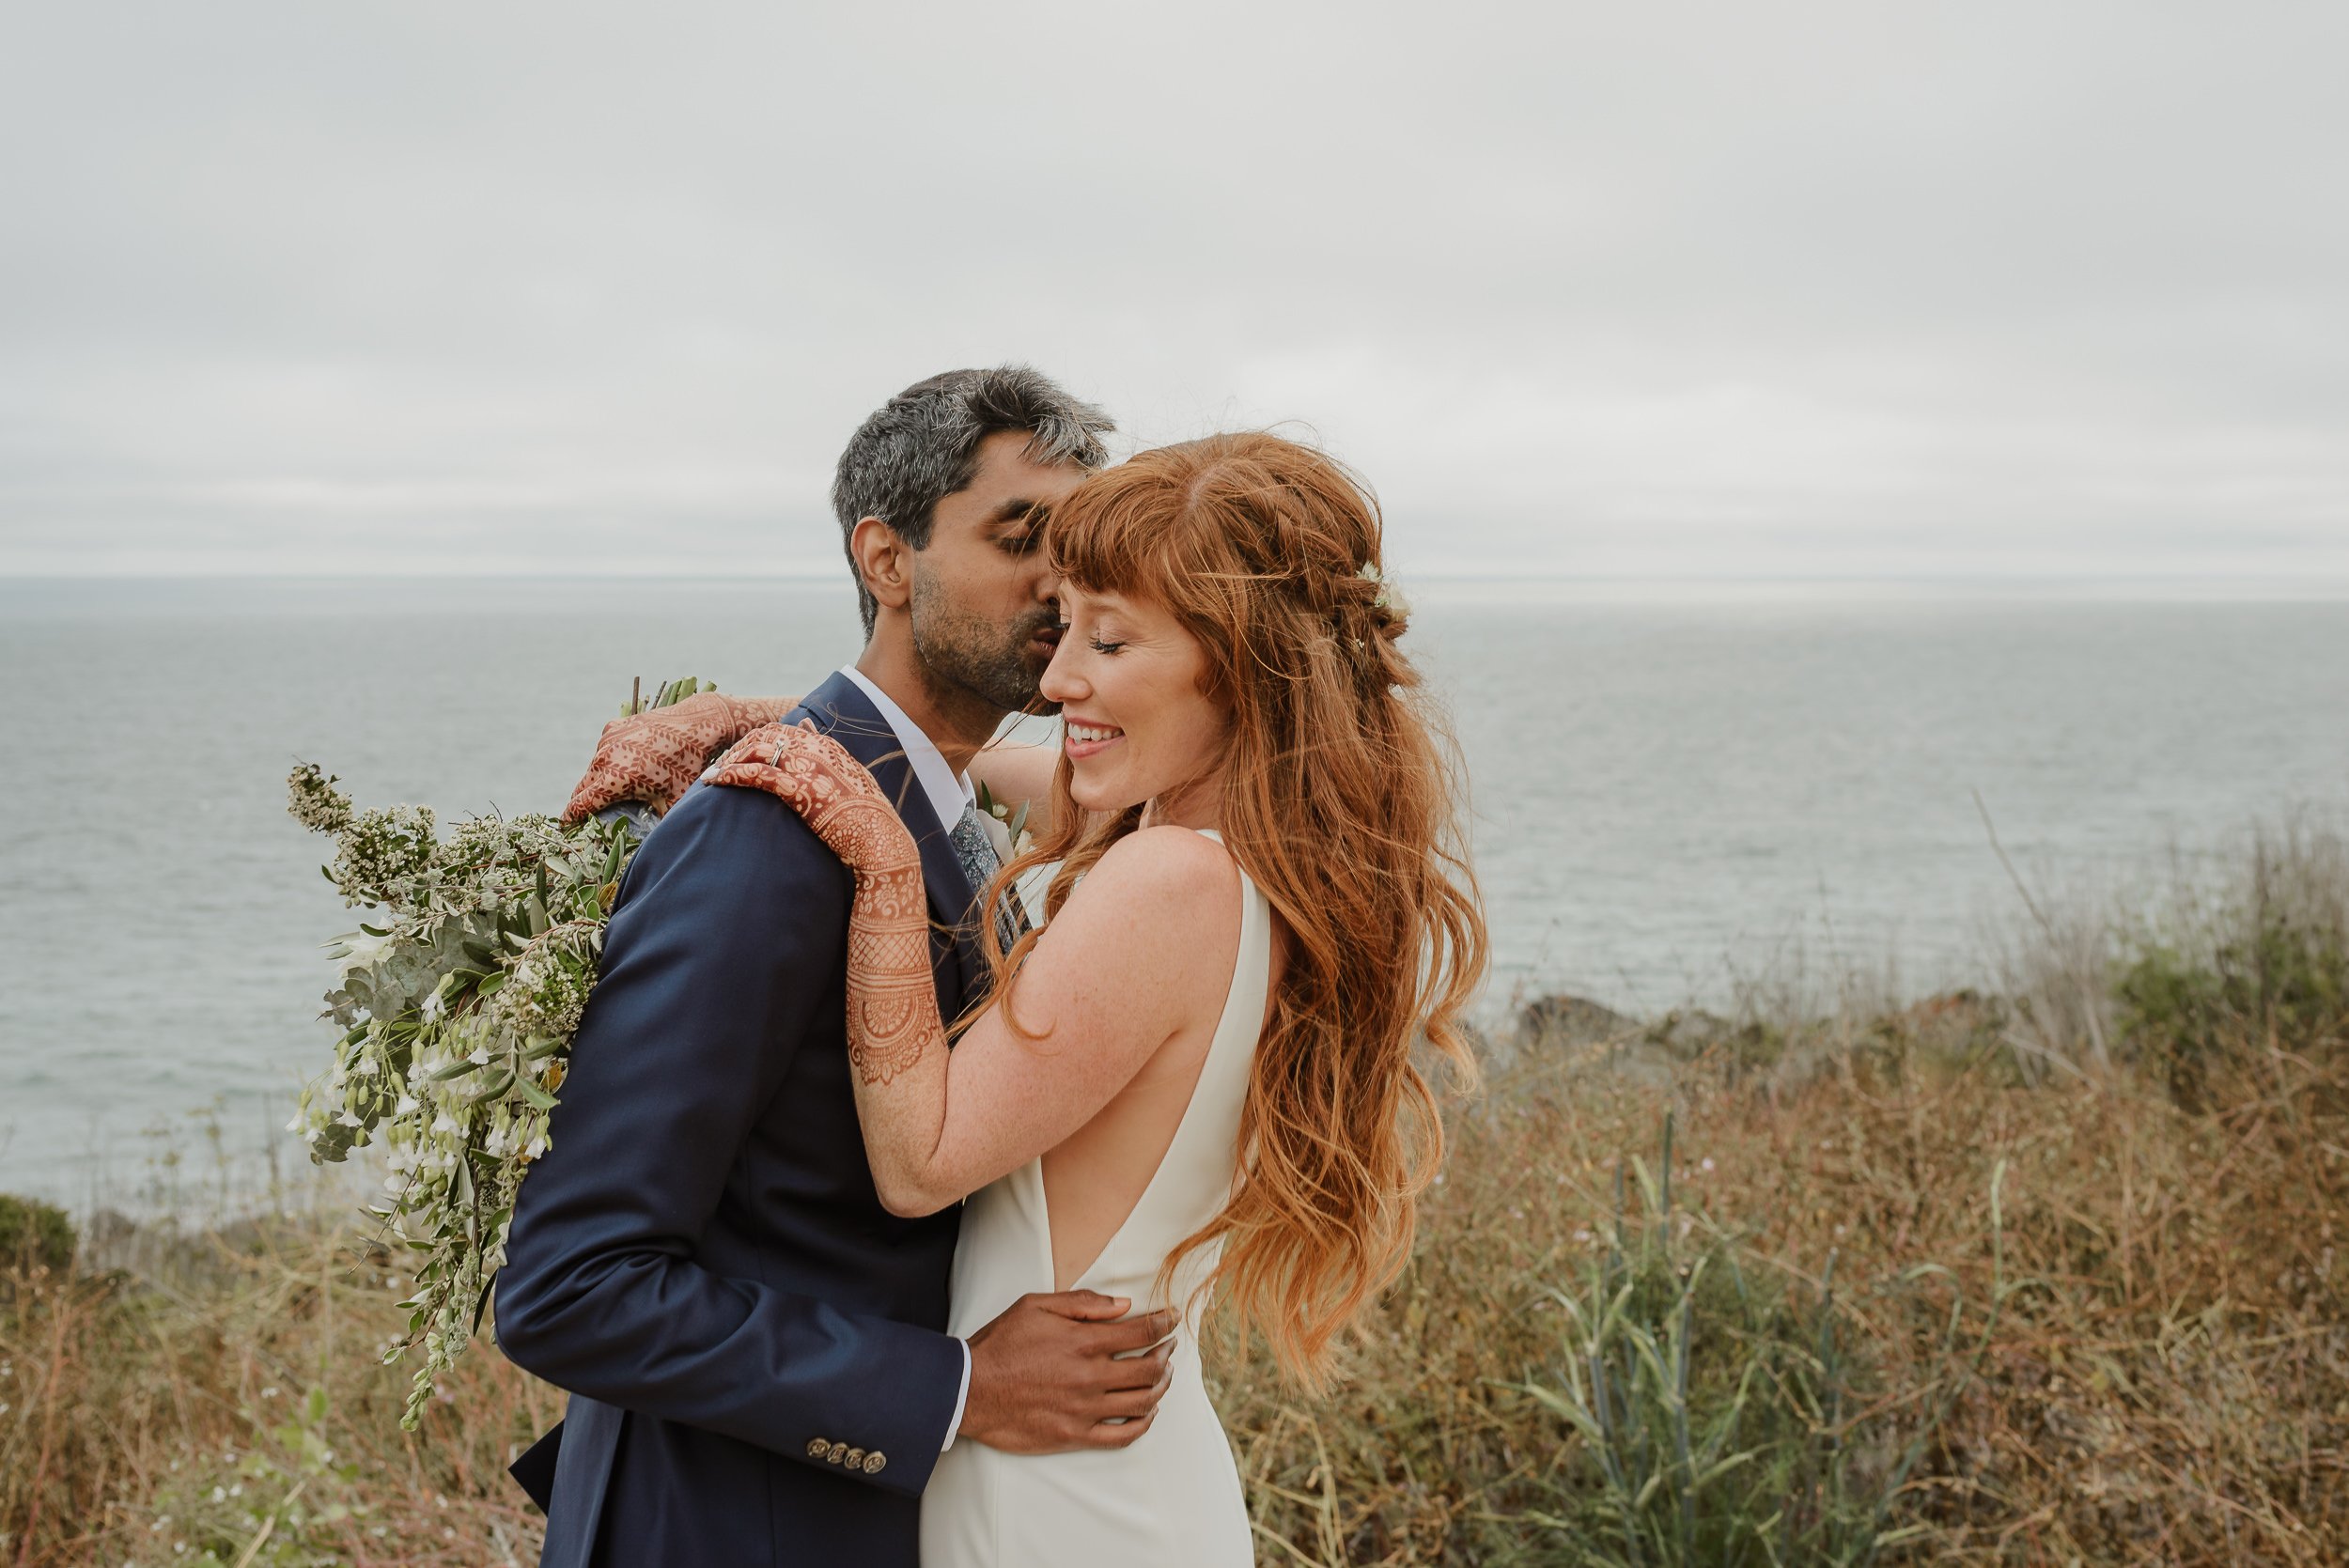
(754, 1348)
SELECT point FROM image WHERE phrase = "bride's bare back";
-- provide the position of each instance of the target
(1093, 1178)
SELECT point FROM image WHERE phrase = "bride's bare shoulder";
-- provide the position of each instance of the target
(1170, 876)
(1174, 861)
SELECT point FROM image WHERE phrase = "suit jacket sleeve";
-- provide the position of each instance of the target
(728, 910)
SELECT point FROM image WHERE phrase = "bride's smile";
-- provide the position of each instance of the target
(1137, 722)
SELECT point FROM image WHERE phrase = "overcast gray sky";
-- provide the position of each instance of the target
(1783, 289)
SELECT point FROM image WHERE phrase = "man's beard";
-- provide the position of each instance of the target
(958, 651)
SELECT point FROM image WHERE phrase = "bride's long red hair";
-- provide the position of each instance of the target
(1340, 798)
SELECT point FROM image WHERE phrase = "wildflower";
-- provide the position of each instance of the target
(358, 950)
(314, 801)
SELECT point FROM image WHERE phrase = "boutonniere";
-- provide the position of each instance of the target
(1007, 829)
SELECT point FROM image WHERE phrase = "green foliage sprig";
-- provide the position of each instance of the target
(458, 1004)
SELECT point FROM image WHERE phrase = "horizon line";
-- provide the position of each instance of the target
(1433, 589)
(1493, 574)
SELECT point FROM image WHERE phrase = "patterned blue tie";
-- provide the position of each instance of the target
(976, 851)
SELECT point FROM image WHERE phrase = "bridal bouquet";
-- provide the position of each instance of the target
(458, 1003)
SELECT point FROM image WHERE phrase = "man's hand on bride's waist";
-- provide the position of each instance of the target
(1067, 1371)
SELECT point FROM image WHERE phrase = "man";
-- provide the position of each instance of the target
(754, 1345)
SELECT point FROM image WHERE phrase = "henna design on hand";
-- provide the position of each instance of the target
(893, 1011)
(656, 755)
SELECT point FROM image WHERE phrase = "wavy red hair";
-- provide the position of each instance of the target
(1341, 796)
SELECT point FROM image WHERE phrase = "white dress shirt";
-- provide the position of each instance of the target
(949, 796)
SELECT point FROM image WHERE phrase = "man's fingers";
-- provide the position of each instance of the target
(1149, 1370)
(1134, 1401)
(1133, 1333)
(1084, 1306)
(1129, 1406)
(1118, 1434)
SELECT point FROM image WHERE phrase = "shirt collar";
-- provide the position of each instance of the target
(948, 793)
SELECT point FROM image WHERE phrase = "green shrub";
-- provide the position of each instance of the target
(1720, 1411)
(34, 1234)
(2270, 965)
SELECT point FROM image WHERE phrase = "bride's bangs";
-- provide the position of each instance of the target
(1110, 535)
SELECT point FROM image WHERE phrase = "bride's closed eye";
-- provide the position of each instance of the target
(1093, 640)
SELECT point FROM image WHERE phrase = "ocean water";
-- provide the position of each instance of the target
(1670, 797)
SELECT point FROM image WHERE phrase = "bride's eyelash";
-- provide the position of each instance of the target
(1100, 646)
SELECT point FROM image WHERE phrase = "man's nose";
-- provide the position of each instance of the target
(1048, 586)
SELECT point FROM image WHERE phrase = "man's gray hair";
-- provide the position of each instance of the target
(923, 445)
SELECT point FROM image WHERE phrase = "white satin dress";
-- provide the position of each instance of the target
(1172, 1500)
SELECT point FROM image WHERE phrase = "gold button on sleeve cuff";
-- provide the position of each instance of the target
(874, 1461)
(835, 1454)
(818, 1447)
(854, 1459)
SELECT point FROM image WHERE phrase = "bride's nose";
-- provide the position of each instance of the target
(1060, 682)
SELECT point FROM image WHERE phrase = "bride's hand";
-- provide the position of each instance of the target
(654, 757)
(816, 777)
(893, 1014)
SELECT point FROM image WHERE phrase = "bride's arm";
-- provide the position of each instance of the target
(1015, 771)
(1141, 949)
(654, 757)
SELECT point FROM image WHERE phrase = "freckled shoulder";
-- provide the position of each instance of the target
(1172, 869)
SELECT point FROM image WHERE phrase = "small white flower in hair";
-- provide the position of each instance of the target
(1390, 597)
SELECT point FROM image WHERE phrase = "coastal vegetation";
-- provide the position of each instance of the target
(2045, 1271)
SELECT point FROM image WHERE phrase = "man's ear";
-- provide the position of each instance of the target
(884, 561)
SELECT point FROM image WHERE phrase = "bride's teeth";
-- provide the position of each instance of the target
(1087, 734)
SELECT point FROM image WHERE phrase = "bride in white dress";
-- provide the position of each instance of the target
(1196, 1080)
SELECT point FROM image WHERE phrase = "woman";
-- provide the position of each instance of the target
(1196, 1079)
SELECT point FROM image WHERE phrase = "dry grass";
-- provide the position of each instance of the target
(2168, 1380)
(222, 1404)
(2165, 1378)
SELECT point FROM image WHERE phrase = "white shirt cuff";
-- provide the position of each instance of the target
(953, 1428)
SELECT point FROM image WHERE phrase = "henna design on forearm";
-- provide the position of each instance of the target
(892, 1010)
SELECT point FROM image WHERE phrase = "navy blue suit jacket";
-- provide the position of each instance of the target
(700, 1258)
